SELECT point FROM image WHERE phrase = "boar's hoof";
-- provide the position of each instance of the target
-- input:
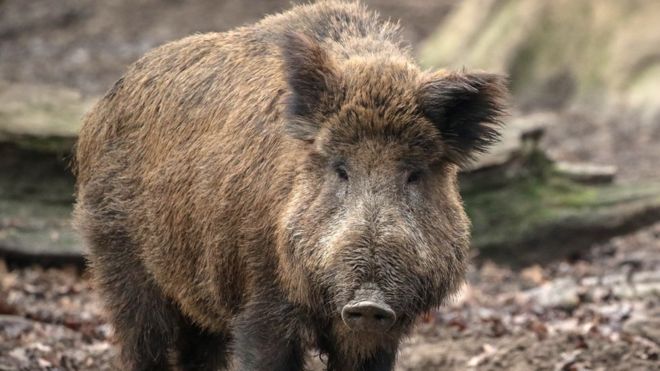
(368, 316)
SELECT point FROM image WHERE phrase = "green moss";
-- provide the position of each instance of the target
(509, 213)
(58, 145)
(535, 205)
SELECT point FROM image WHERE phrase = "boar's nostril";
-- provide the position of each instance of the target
(368, 316)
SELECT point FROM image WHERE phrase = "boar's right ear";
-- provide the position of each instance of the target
(467, 109)
(311, 76)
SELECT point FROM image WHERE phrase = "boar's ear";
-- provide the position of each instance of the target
(312, 79)
(467, 109)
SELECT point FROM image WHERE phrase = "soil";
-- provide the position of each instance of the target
(596, 312)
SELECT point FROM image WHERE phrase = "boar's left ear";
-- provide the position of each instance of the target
(467, 109)
(312, 79)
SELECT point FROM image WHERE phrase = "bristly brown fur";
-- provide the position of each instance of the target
(236, 189)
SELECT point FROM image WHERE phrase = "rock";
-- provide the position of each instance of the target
(646, 284)
(20, 357)
(534, 274)
(629, 286)
(425, 356)
(13, 326)
(647, 326)
(562, 292)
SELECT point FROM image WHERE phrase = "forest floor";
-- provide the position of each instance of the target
(599, 311)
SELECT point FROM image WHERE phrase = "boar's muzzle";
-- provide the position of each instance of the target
(368, 311)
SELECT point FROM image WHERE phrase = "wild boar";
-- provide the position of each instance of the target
(246, 196)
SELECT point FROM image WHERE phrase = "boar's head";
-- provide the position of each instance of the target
(374, 232)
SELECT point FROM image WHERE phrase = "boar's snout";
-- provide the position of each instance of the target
(368, 312)
(368, 316)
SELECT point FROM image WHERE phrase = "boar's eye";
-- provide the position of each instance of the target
(340, 169)
(414, 176)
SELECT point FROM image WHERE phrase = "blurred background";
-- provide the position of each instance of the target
(566, 210)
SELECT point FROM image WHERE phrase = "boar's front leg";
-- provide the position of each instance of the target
(199, 349)
(267, 337)
(144, 320)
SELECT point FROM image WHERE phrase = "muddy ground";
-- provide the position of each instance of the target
(596, 312)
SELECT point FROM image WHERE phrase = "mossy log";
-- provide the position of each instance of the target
(36, 194)
(527, 208)
(40, 117)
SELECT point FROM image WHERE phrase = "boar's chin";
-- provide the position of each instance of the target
(362, 345)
